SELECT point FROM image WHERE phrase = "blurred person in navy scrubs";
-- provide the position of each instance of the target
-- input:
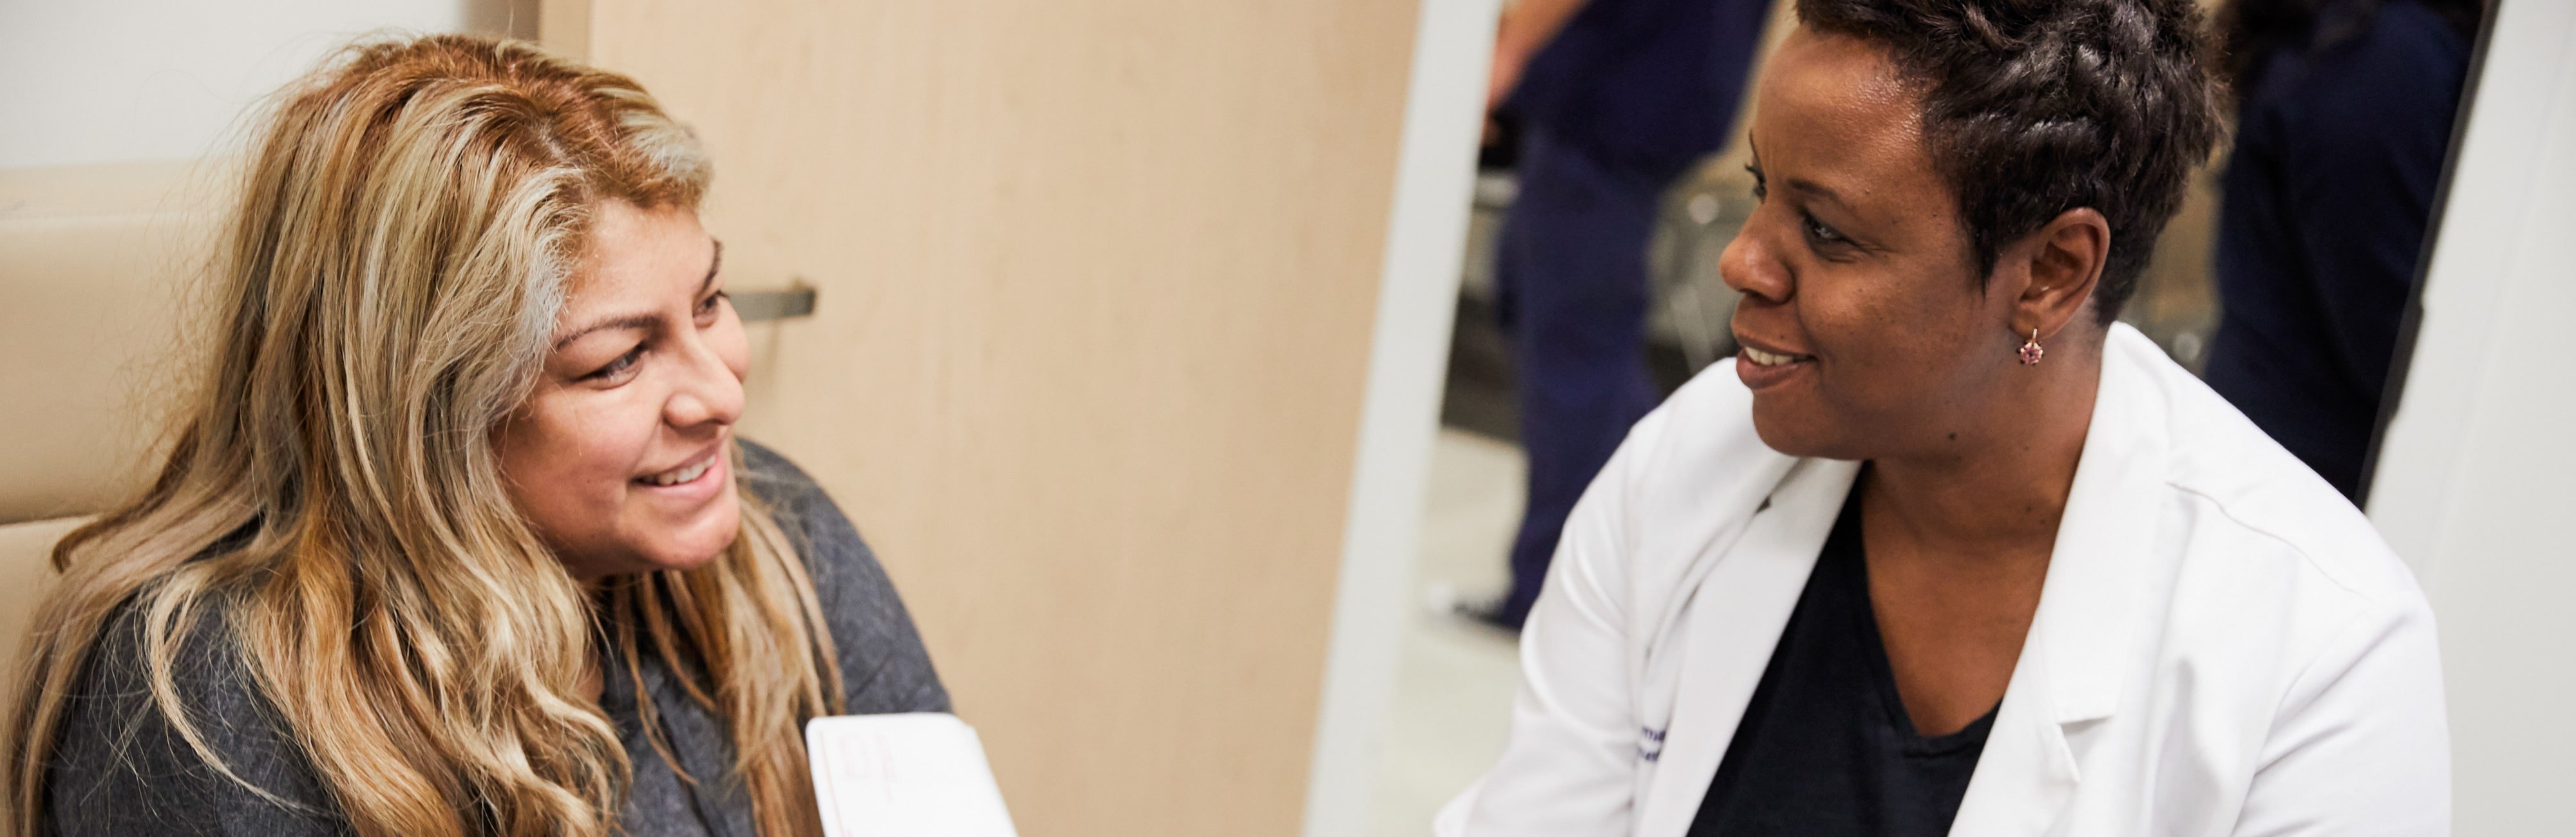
(1615, 99)
(2343, 121)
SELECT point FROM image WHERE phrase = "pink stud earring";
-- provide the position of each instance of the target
(2031, 352)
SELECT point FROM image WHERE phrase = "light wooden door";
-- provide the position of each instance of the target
(1096, 287)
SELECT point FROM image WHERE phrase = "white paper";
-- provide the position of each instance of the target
(913, 775)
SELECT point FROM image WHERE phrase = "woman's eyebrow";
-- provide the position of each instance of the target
(630, 321)
(641, 321)
(713, 262)
(1794, 183)
(1816, 190)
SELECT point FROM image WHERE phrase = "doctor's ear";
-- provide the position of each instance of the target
(2056, 269)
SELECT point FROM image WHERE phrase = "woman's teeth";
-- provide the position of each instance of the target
(676, 476)
(1763, 358)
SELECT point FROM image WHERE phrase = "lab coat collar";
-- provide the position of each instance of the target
(2077, 655)
(1743, 604)
(2088, 604)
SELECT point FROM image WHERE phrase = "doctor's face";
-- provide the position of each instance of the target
(619, 458)
(1865, 328)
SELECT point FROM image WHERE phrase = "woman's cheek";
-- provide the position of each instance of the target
(602, 436)
(626, 436)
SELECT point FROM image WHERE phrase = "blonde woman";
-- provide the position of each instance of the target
(456, 537)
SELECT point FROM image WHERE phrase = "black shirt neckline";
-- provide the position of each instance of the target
(1891, 699)
(1824, 747)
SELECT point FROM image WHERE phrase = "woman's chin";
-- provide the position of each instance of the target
(1789, 429)
(1782, 430)
(689, 541)
(675, 545)
(693, 547)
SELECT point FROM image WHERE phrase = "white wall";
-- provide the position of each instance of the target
(2477, 474)
(108, 81)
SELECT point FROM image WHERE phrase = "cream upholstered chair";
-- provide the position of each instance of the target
(92, 259)
(24, 577)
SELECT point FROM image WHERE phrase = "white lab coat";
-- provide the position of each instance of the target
(2223, 645)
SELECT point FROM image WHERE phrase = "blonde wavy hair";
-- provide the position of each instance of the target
(409, 222)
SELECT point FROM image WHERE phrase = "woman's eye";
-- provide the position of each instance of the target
(709, 305)
(617, 367)
(1821, 234)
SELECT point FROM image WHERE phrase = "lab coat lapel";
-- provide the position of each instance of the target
(2070, 675)
(1736, 615)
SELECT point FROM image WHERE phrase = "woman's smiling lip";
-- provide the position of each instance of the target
(1762, 365)
(698, 488)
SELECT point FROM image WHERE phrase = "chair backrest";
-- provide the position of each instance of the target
(92, 265)
(24, 578)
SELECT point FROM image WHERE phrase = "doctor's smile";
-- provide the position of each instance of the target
(1761, 369)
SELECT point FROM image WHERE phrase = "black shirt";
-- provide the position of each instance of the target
(1825, 747)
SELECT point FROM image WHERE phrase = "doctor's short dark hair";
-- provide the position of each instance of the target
(2035, 107)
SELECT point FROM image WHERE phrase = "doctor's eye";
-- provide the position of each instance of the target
(1820, 235)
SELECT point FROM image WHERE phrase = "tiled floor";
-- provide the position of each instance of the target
(1454, 690)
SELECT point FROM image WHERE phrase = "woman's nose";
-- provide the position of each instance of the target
(1749, 266)
(708, 391)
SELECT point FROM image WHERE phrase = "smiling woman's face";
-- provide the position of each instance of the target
(1866, 332)
(618, 458)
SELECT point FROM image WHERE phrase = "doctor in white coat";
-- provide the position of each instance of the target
(2090, 597)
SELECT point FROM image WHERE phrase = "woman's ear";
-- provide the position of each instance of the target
(2065, 259)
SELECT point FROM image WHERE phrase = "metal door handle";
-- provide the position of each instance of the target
(797, 300)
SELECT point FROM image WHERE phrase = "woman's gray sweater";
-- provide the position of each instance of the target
(120, 769)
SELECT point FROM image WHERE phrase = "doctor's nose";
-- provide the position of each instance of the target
(1748, 265)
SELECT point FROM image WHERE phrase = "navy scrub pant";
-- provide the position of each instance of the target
(1572, 295)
